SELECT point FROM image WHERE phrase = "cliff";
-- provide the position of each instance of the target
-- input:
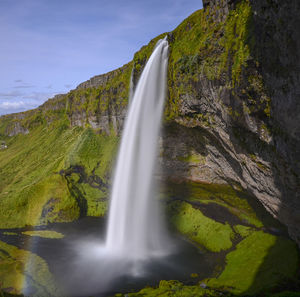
(231, 117)
(235, 102)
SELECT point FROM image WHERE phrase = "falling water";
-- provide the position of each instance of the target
(134, 227)
(135, 234)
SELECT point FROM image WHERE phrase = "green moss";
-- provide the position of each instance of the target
(94, 151)
(244, 231)
(193, 158)
(10, 233)
(191, 222)
(5, 122)
(190, 55)
(18, 266)
(145, 52)
(44, 234)
(174, 288)
(33, 189)
(236, 39)
(257, 264)
(236, 201)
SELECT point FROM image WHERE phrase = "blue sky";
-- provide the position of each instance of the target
(50, 46)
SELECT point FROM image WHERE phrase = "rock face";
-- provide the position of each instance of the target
(103, 79)
(18, 129)
(219, 8)
(246, 131)
(232, 114)
(278, 50)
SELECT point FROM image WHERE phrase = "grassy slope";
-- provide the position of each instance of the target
(31, 174)
(30, 167)
(28, 179)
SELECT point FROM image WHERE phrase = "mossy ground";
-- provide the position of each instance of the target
(44, 233)
(40, 180)
(57, 173)
(257, 262)
(19, 266)
(37, 184)
(208, 233)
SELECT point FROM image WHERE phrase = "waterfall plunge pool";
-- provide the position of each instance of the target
(81, 268)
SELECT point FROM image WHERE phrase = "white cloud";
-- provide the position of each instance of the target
(28, 101)
(55, 45)
(12, 105)
(7, 107)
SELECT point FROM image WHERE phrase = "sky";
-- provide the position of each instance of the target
(48, 47)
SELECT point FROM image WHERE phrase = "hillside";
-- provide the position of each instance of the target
(223, 90)
(230, 138)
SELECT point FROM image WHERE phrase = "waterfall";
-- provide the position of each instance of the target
(131, 87)
(135, 229)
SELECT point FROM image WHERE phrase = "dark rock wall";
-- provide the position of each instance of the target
(246, 133)
(276, 29)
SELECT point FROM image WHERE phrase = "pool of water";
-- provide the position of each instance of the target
(82, 268)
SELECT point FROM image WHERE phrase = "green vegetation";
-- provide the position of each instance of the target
(236, 201)
(257, 264)
(110, 97)
(10, 233)
(191, 222)
(174, 288)
(193, 158)
(19, 266)
(60, 170)
(29, 176)
(37, 184)
(44, 233)
(236, 40)
(202, 48)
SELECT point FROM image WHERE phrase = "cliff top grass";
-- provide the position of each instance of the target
(198, 46)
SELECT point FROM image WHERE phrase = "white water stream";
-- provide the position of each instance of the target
(135, 229)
